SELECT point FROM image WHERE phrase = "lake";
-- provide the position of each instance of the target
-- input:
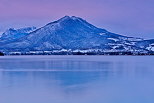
(77, 79)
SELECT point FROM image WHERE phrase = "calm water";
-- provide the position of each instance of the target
(77, 79)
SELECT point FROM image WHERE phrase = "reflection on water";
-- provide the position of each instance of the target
(76, 79)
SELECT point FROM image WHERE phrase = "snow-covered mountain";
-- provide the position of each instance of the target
(148, 44)
(73, 33)
(13, 34)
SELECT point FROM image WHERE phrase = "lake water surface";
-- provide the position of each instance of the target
(77, 79)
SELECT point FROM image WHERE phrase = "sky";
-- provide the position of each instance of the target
(126, 17)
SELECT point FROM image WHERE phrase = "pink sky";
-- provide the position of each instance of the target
(128, 17)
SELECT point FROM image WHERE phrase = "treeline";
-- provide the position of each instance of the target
(82, 53)
(1, 54)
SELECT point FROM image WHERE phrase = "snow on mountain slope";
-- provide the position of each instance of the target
(148, 44)
(72, 33)
(13, 34)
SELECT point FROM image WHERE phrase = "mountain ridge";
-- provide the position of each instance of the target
(74, 33)
(14, 34)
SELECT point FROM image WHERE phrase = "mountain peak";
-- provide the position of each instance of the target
(71, 22)
(13, 33)
(10, 29)
(66, 18)
(21, 29)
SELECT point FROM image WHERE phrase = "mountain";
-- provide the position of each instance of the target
(148, 44)
(72, 33)
(14, 34)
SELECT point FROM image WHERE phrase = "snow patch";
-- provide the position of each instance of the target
(102, 33)
(152, 48)
(113, 39)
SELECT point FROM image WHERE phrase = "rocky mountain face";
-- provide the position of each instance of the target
(71, 33)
